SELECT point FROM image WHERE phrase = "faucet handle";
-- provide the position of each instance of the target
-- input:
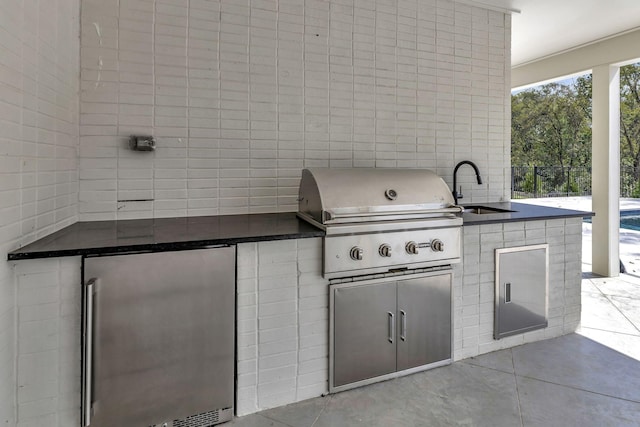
(460, 196)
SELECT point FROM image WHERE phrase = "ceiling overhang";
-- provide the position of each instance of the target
(547, 28)
(619, 50)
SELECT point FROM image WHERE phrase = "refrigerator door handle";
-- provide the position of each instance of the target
(88, 352)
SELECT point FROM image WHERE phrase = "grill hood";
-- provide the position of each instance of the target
(339, 196)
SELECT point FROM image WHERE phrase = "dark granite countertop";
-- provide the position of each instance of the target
(169, 234)
(165, 234)
(520, 212)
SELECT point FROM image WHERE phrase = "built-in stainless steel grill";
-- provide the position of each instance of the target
(381, 221)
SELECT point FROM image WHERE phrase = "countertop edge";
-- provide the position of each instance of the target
(156, 247)
(165, 234)
(299, 230)
(522, 212)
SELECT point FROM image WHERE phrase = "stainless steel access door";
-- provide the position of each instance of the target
(364, 332)
(424, 321)
(162, 336)
(522, 283)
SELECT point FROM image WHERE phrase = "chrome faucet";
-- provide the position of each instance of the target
(457, 195)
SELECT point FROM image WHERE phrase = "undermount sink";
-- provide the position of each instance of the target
(483, 210)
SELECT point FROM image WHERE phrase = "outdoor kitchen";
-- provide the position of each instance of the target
(319, 147)
(300, 295)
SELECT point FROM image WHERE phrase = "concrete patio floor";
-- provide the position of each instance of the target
(590, 378)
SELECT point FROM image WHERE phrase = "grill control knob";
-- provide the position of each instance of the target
(356, 253)
(411, 248)
(384, 250)
(437, 245)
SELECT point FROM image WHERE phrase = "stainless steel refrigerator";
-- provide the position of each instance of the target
(159, 338)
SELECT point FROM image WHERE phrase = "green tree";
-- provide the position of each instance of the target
(630, 118)
(551, 125)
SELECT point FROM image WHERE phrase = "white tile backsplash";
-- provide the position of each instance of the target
(257, 89)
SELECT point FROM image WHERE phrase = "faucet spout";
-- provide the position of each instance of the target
(455, 193)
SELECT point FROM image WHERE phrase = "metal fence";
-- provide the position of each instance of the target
(558, 181)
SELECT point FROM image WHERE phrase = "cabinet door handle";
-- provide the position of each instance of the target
(392, 327)
(507, 293)
(88, 352)
(403, 325)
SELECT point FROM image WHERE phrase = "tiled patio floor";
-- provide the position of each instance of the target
(589, 378)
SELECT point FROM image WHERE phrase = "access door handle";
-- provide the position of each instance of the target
(87, 369)
(392, 327)
(403, 325)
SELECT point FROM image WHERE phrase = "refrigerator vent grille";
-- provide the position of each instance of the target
(206, 419)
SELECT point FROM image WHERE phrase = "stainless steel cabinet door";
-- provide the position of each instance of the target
(364, 332)
(522, 277)
(163, 335)
(424, 321)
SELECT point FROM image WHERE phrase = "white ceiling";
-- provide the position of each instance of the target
(546, 27)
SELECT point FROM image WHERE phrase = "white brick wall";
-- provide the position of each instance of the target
(282, 324)
(48, 353)
(39, 69)
(313, 321)
(241, 95)
(7, 349)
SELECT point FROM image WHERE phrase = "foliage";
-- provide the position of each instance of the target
(636, 191)
(551, 125)
(527, 184)
(630, 118)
